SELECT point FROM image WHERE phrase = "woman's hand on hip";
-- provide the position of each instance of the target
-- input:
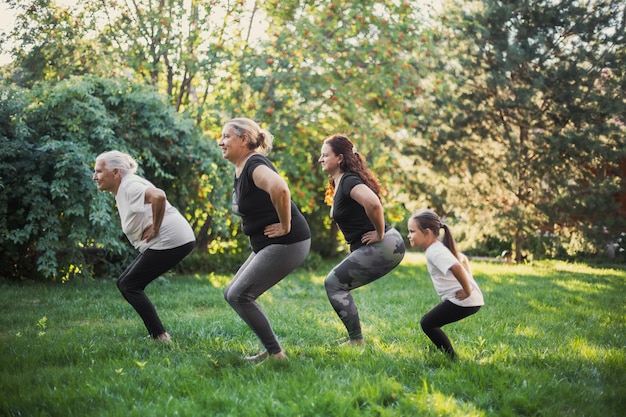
(371, 237)
(276, 230)
(149, 233)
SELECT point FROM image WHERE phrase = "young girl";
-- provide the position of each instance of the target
(451, 275)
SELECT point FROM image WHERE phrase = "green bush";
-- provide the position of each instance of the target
(54, 221)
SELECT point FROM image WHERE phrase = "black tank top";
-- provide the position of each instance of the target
(256, 210)
(349, 215)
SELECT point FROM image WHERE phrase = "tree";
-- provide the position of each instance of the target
(334, 66)
(178, 46)
(361, 68)
(322, 67)
(52, 42)
(532, 137)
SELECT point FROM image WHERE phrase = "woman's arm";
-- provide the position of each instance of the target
(157, 198)
(278, 190)
(364, 195)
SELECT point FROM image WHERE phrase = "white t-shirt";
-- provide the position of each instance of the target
(439, 260)
(136, 216)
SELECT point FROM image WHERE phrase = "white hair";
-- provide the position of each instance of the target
(120, 160)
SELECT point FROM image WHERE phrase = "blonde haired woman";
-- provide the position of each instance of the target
(279, 235)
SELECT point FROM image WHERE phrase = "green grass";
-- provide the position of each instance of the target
(551, 341)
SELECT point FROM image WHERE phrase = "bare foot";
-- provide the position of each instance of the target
(163, 338)
(280, 355)
(257, 357)
(263, 355)
(352, 342)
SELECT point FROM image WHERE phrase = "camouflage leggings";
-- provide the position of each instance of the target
(366, 264)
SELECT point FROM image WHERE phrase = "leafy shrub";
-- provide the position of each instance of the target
(53, 218)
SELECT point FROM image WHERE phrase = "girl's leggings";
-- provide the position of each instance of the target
(362, 266)
(147, 267)
(259, 273)
(444, 313)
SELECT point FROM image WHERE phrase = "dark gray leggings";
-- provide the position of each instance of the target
(364, 265)
(259, 273)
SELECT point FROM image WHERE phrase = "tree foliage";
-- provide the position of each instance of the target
(507, 117)
(321, 67)
(51, 42)
(333, 66)
(532, 138)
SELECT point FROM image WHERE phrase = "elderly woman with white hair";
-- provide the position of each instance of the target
(153, 226)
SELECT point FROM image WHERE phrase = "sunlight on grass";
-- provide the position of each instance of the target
(383, 393)
(585, 349)
(526, 331)
(504, 272)
(448, 406)
(432, 402)
(496, 354)
(547, 343)
(318, 279)
(413, 257)
(580, 286)
(579, 268)
(543, 307)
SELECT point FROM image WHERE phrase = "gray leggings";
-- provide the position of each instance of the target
(260, 272)
(366, 264)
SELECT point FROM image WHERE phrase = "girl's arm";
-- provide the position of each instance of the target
(273, 184)
(460, 273)
(465, 262)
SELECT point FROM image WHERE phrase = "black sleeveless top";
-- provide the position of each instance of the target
(349, 215)
(256, 210)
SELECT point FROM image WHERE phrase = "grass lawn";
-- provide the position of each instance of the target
(551, 341)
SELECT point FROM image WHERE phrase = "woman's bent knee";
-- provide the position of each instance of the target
(331, 283)
(228, 296)
(120, 284)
